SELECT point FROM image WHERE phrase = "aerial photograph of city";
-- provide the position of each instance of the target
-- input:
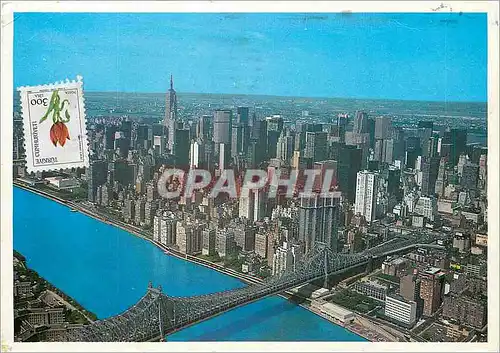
(251, 177)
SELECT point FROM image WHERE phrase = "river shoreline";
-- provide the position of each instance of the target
(248, 279)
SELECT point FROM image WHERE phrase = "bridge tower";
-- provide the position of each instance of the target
(369, 265)
(325, 283)
(160, 322)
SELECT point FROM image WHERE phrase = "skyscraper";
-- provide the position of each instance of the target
(240, 132)
(388, 151)
(440, 180)
(274, 128)
(96, 176)
(197, 153)
(284, 149)
(483, 170)
(182, 147)
(430, 169)
(204, 128)
(222, 133)
(316, 146)
(382, 127)
(366, 191)
(340, 127)
(171, 114)
(349, 164)
(413, 150)
(360, 123)
(109, 137)
(424, 133)
(189, 237)
(318, 220)
(457, 138)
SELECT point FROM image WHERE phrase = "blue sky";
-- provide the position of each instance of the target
(390, 56)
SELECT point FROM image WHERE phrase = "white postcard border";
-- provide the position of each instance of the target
(8, 9)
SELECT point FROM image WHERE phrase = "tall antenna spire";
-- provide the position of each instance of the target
(171, 82)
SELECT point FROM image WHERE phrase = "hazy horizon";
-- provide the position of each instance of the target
(291, 96)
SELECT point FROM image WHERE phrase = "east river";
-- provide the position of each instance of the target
(107, 270)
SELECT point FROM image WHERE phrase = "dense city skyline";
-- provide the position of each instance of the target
(370, 213)
(383, 56)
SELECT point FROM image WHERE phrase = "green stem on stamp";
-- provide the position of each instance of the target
(66, 113)
(56, 107)
(51, 106)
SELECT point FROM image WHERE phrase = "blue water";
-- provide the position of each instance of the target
(107, 270)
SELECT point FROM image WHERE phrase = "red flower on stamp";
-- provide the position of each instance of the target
(59, 131)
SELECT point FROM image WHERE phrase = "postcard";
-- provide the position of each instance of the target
(243, 176)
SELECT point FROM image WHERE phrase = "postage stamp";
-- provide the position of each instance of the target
(55, 131)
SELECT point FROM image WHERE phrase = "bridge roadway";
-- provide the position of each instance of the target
(156, 314)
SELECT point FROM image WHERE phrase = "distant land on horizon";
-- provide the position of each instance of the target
(179, 93)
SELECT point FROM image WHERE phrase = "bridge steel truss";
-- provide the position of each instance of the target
(157, 314)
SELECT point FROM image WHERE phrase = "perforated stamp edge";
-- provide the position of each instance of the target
(73, 84)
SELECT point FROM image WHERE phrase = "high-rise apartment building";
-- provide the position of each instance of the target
(261, 246)
(318, 220)
(367, 184)
(244, 233)
(129, 210)
(431, 290)
(140, 211)
(285, 257)
(165, 228)
(208, 241)
(189, 237)
(225, 243)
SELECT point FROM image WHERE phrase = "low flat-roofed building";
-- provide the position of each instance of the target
(62, 182)
(319, 292)
(337, 312)
(371, 289)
